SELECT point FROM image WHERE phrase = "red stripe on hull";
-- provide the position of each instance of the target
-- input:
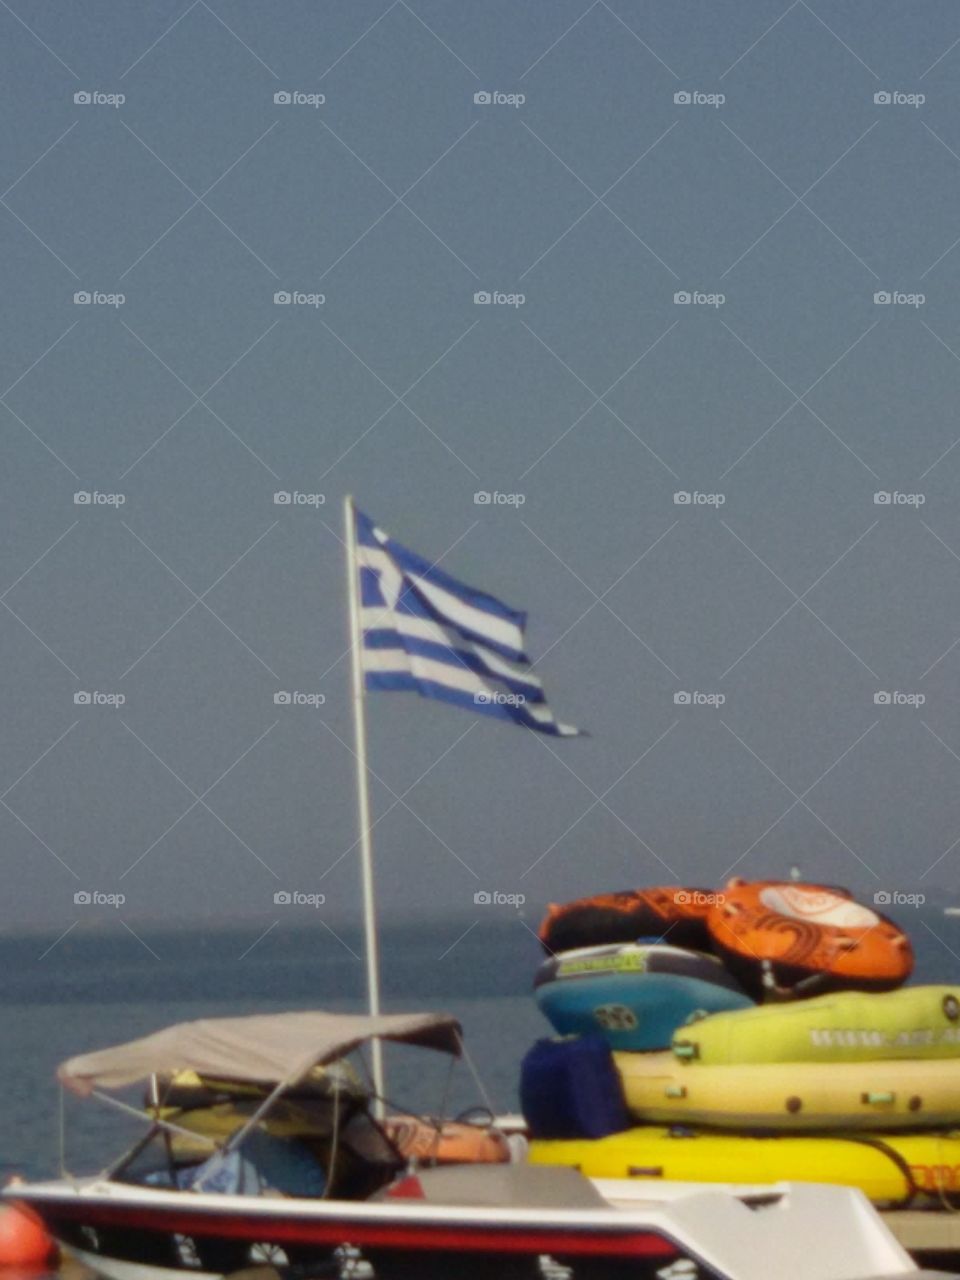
(282, 1230)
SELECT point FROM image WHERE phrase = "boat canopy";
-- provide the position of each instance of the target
(271, 1048)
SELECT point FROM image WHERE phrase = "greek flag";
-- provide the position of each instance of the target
(427, 632)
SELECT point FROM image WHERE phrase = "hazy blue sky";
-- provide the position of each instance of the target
(798, 197)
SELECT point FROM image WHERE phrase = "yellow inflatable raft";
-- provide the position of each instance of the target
(922, 1093)
(891, 1169)
(850, 1026)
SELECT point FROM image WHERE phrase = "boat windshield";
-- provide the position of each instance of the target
(319, 1140)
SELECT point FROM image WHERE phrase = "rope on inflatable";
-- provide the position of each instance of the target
(878, 1144)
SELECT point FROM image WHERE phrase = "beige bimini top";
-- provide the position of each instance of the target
(265, 1048)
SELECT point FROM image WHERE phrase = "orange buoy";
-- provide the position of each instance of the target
(24, 1240)
(806, 939)
(675, 913)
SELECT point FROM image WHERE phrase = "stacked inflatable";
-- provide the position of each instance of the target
(778, 939)
(637, 993)
(748, 1036)
(847, 1061)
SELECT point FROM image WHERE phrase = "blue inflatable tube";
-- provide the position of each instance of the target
(635, 995)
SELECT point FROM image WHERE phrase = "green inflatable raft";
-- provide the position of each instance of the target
(849, 1026)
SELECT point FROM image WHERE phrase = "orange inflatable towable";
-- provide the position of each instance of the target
(676, 914)
(782, 938)
(446, 1143)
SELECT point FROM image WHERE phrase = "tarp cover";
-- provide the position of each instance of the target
(266, 1048)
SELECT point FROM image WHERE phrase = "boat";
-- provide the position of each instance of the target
(340, 1197)
(894, 1170)
(793, 1096)
(850, 1026)
(627, 916)
(635, 994)
(785, 939)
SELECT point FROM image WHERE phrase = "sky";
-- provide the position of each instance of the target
(723, 248)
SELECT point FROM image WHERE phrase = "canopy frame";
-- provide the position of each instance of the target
(157, 1124)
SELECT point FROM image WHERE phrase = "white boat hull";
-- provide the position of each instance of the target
(827, 1233)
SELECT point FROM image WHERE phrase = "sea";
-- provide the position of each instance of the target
(94, 989)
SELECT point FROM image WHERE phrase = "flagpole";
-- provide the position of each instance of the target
(371, 939)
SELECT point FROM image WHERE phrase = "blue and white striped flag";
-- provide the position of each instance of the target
(427, 632)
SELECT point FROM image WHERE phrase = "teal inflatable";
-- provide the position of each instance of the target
(635, 994)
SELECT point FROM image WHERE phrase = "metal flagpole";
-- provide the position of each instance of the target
(363, 798)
